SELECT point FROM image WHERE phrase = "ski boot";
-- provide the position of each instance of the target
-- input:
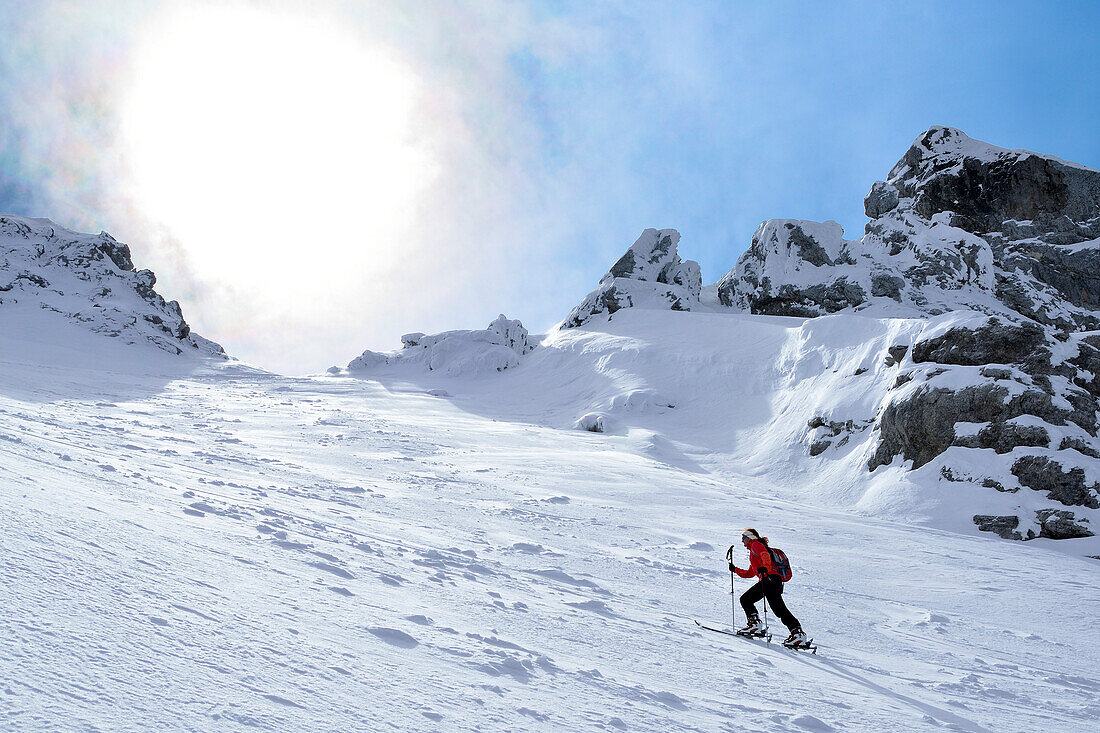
(798, 640)
(755, 628)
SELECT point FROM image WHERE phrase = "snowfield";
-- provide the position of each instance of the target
(192, 544)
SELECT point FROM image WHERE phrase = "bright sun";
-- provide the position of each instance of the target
(273, 146)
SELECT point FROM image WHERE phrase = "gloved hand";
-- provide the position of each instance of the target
(733, 568)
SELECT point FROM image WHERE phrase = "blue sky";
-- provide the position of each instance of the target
(556, 132)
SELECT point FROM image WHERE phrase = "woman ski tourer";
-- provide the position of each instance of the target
(768, 586)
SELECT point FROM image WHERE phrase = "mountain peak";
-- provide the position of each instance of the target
(90, 280)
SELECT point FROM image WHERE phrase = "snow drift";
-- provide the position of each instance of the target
(488, 350)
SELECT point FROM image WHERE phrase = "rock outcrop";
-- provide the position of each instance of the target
(90, 280)
(649, 275)
(1012, 237)
(454, 353)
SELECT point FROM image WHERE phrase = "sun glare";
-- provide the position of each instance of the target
(272, 145)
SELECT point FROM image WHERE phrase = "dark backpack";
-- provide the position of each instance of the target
(781, 563)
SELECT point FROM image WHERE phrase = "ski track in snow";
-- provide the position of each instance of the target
(218, 548)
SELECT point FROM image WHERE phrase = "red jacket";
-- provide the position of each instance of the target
(760, 560)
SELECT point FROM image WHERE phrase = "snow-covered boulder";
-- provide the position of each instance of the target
(90, 280)
(454, 353)
(649, 275)
(796, 267)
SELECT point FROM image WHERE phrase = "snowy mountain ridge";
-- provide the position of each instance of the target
(990, 256)
(90, 280)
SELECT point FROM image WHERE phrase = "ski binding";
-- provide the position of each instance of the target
(807, 646)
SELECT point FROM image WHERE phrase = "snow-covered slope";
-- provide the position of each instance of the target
(992, 257)
(219, 549)
(89, 280)
(492, 531)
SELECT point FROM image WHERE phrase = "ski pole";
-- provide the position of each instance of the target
(733, 597)
(766, 620)
(733, 605)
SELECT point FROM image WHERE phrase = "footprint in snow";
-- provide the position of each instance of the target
(394, 637)
(420, 620)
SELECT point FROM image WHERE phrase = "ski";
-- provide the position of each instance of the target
(727, 632)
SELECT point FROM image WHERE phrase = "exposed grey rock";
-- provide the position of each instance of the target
(944, 170)
(882, 199)
(995, 372)
(649, 275)
(1068, 487)
(1002, 526)
(1088, 360)
(903, 378)
(828, 433)
(994, 484)
(810, 301)
(887, 286)
(996, 342)
(1078, 445)
(922, 425)
(1002, 437)
(1058, 524)
(807, 245)
(895, 354)
(1075, 274)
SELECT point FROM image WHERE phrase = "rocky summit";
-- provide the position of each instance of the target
(963, 225)
(91, 281)
(649, 274)
(997, 251)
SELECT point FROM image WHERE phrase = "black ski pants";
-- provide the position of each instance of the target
(770, 588)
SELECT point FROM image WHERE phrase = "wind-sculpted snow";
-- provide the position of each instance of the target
(649, 275)
(89, 280)
(493, 349)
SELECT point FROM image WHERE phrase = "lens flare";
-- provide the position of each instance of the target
(274, 146)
